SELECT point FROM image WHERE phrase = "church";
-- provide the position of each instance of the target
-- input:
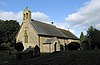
(47, 37)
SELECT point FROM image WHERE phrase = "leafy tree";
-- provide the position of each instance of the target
(82, 38)
(90, 31)
(93, 37)
(3, 46)
(8, 31)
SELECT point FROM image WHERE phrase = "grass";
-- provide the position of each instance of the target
(5, 57)
(89, 57)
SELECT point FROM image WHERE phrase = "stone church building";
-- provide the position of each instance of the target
(48, 37)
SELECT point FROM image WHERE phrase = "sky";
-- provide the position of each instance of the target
(74, 15)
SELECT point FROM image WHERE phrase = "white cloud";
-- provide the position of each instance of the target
(5, 15)
(97, 26)
(40, 16)
(65, 25)
(11, 16)
(86, 16)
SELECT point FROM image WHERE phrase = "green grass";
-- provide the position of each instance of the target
(5, 57)
(91, 57)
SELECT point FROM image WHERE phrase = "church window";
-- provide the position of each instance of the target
(26, 15)
(25, 37)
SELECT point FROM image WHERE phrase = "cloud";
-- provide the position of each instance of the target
(86, 16)
(65, 25)
(5, 15)
(40, 16)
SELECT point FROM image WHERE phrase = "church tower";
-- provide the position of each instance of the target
(27, 15)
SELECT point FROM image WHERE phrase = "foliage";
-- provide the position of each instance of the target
(8, 31)
(93, 37)
(82, 38)
(19, 46)
(61, 47)
(90, 31)
(85, 45)
(73, 46)
(6, 46)
(3, 46)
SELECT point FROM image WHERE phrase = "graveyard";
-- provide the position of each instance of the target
(85, 57)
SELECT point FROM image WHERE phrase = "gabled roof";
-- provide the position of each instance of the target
(50, 30)
(68, 34)
(46, 29)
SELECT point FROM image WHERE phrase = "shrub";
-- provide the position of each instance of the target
(36, 51)
(86, 45)
(73, 46)
(4, 46)
(61, 47)
(19, 46)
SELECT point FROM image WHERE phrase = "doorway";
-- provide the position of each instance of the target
(55, 46)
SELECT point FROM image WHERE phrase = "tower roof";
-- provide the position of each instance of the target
(27, 9)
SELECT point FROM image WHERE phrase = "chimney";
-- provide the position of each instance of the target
(52, 23)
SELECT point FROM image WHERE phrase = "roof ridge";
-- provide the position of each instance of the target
(42, 22)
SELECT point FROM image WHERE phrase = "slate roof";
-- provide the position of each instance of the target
(51, 30)
(68, 34)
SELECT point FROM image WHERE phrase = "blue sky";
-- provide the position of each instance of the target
(56, 9)
(77, 15)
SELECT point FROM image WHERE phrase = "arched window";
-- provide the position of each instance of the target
(26, 15)
(25, 37)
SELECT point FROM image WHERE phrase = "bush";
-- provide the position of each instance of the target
(19, 46)
(61, 47)
(86, 45)
(73, 46)
(36, 51)
(4, 46)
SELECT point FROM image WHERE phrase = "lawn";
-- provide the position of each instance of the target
(5, 57)
(90, 57)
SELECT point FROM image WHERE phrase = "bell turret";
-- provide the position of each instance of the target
(27, 15)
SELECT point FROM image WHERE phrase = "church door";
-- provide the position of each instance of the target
(55, 46)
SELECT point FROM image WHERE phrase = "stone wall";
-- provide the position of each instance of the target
(44, 47)
(32, 36)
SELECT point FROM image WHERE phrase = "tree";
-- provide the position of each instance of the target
(93, 36)
(96, 39)
(8, 31)
(90, 31)
(82, 38)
